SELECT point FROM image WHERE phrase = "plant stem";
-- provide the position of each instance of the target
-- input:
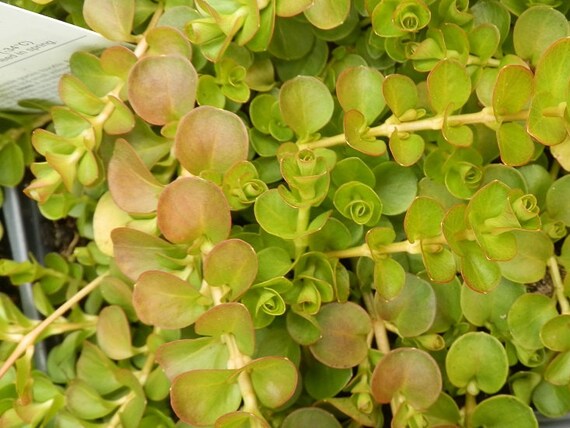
(396, 247)
(238, 361)
(30, 338)
(470, 404)
(486, 115)
(558, 285)
(380, 334)
(302, 225)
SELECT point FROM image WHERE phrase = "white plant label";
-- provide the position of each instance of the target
(34, 53)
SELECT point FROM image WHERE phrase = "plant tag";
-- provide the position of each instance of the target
(34, 53)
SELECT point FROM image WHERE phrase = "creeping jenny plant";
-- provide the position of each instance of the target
(298, 213)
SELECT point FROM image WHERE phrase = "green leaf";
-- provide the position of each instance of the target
(439, 262)
(240, 419)
(95, 369)
(360, 88)
(479, 273)
(407, 149)
(133, 187)
(512, 91)
(490, 309)
(423, 219)
(344, 328)
(409, 373)
(389, 277)
(84, 402)
(182, 356)
(484, 41)
(558, 370)
(504, 411)
(288, 8)
(529, 264)
(12, 165)
(400, 93)
(552, 71)
(327, 14)
(114, 333)
(448, 85)
(322, 381)
(121, 120)
(477, 362)
(405, 311)
(165, 301)
(191, 209)
(231, 263)
(278, 218)
(358, 202)
(200, 397)
(303, 328)
(229, 318)
(554, 333)
(75, 94)
(528, 314)
(516, 146)
(310, 417)
(136, 252)
(112, 19)
(396, 186)
(536, 29)
(274, 380)
(162, 88)
(552, 401)
(356, 133)
(306, 105)
(548, 127)
(557, 204)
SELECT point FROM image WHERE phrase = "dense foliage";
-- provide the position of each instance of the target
(298, 213)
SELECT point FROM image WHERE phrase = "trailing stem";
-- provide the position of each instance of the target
(485, 116)
(558, 285)
(30, 338)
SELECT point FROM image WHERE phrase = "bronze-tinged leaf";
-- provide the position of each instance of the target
(162, 88)
(191, 208)
(209, 138)
(133, 187)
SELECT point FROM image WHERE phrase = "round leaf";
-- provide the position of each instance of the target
(114, 333)
(408, 372)
(112, 19)
(400, 93)
(229, 318)
(528, 314)
(231, 263)
(274, 380)
(503, 411)
(423, 219)
(210, 139)
(199, 397)
(397, 187)
(554, 333)
(306, 105)
(162, 88)
(191, 208)
(327, 14)
(406, 149)
(512, 90)
(360, 88)
(552, 71)
(536, 29)
(412, 311)
(166, 301)
(344, 327)
(516, 146)
(448, 85)
(557, 204)
(477, 361)
(310, 417)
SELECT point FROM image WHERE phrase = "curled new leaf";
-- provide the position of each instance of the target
(210, 139)
(162, 88)
(358, 202)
